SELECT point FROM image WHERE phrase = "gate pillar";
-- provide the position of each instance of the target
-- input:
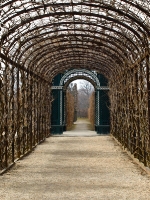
(102, 113)
(58, 110)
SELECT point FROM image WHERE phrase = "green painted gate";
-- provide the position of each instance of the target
(102, 104)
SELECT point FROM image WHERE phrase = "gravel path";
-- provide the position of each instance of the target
(74, 168)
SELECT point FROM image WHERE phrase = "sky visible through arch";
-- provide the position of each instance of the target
(80, 82)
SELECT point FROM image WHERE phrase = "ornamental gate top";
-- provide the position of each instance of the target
(80, 72)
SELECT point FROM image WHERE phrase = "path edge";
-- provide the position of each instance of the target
(136, 161)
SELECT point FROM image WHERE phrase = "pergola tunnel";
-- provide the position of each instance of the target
(43, 39)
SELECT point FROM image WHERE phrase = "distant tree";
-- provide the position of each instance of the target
(72, 88)
(91, 110)
(86, 87)
(71, 105)
(69, 109)
(84, 93)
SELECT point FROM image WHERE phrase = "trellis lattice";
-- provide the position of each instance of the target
(41, 38)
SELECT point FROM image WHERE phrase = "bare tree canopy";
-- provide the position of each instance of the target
(86, 88)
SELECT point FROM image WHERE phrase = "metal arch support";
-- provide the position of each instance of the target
(76, 72)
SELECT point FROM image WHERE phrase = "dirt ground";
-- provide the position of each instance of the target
(75, 167)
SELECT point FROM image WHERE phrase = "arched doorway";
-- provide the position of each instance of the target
(102, 113)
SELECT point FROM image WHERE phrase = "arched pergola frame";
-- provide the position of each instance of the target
(43, 38)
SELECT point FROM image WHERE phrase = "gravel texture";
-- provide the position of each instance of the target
(74, 168)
